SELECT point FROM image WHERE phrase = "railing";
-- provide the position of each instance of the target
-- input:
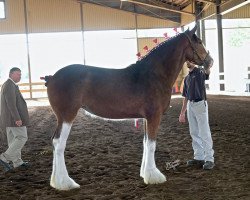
(38, 90)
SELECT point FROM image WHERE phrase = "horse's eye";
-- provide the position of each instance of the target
(199, 41)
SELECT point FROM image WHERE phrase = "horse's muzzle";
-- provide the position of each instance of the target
(208, 62)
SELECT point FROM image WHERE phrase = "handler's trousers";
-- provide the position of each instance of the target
(16, 137)
(202, 143)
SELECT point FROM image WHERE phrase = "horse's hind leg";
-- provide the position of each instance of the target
(149, 171)
(59, 177)
(144, 149)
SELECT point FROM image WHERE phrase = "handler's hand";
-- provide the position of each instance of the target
(19, 123)
(182, 118)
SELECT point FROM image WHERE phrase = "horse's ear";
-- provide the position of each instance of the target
(193, 30)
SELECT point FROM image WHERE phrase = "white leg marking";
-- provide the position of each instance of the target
(151, 174)
(59, 177)
(143, 156)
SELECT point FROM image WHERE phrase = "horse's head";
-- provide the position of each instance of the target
(196, 51)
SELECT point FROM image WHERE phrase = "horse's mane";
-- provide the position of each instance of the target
(165, 43)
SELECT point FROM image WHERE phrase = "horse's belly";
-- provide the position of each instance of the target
(112, 112)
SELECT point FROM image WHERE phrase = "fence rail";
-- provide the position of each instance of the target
(37, 90)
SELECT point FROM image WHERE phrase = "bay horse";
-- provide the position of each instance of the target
(142, 90)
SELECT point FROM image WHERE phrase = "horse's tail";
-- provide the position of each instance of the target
(46, 78)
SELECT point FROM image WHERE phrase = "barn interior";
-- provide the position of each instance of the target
(42, 36)
(104, 156)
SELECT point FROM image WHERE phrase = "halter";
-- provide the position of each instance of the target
(205, 61)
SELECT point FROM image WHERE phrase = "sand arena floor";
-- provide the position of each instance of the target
(104, 157)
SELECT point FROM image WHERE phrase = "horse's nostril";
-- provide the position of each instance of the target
(211, 62)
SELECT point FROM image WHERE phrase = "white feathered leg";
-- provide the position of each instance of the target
(151, 174)
(59, 177)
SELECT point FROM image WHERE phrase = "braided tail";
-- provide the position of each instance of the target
(46, 78)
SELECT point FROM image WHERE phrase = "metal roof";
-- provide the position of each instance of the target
(172, 10)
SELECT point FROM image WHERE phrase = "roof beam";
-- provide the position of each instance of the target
(159, 3)
(207, 1)
(159, 7)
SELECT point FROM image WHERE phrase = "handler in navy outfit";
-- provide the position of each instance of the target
(14, 118)
(196, 105)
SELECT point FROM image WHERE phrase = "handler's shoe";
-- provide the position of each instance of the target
(25, 165)
(208, 165)
(195, 162)
(6, 166)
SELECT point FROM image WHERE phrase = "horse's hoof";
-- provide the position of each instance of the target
(67, 184)
(154, 176)
(66, 187)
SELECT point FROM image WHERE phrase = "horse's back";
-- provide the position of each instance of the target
(99, 90)
(75, 80)
(69, 72)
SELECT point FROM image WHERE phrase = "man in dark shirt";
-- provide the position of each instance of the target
(197, 113)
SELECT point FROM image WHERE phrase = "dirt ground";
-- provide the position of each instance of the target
(104, 157)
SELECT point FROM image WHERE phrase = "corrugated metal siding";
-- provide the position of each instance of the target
(187, 19)
(53, 16)
(14, 22)
(64, 15)
(243, 12)
(142, 42)
(210, 12)
(101, 18)
(144, 22)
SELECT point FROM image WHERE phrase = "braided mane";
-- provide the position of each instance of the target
(159, 46)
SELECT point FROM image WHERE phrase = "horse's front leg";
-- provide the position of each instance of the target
(59, 177)
(144, 148)
(149, 171)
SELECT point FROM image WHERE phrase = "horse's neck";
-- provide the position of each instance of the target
(173, 69)
(170, 61)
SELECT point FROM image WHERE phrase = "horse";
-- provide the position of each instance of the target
(141, 90)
